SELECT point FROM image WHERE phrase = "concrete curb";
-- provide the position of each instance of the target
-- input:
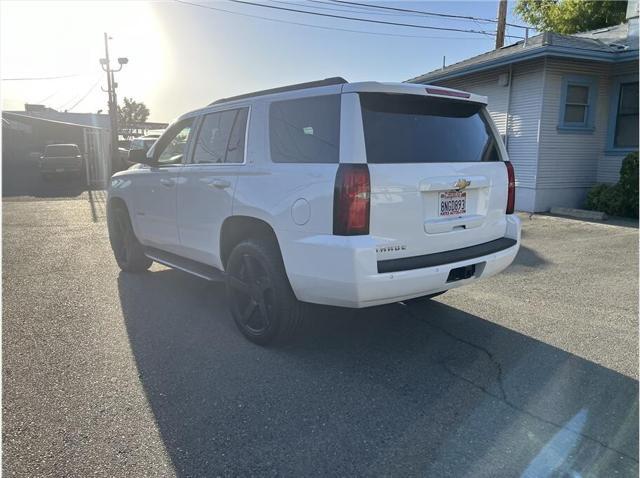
(579, 213)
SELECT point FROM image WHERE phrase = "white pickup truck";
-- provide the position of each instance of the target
(329, 192)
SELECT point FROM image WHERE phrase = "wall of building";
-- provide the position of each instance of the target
(610, 160)
(568, 160)
(24, 136)
(554, 167)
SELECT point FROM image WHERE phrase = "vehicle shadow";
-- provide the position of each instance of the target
(526, 259)
(422, 390)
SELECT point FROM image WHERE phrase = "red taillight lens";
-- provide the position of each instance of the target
(351, 200)
(511, 187)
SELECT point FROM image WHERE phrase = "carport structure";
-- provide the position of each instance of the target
(25, 134)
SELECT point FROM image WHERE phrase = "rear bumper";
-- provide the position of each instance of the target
(343, 271)
(60, 168)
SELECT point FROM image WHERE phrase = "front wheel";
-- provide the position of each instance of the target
(261, 300)
(126, 248)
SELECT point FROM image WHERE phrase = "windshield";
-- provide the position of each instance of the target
(421, 129)
(61, 150)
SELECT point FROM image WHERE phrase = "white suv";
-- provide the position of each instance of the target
(346, 194)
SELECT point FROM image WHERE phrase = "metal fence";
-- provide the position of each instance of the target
(98, 158)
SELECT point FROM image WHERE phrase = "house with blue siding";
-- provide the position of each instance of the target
(565, 105)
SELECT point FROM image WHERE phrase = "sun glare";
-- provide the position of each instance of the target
(43, 39)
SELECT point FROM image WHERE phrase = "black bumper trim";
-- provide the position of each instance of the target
(446, 257)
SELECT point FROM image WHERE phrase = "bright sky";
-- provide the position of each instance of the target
(183, 57)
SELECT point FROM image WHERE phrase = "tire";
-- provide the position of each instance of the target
(128, 252)
(424, 298)
(261, 300)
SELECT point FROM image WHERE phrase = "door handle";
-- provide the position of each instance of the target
(167, 182)
(219, 183)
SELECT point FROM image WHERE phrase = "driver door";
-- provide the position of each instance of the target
(156, 188)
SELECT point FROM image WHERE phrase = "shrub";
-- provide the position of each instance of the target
(629, 184)
(620, 199)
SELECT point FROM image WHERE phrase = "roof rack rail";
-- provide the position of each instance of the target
(336, 80)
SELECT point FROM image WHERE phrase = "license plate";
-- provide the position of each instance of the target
(453, 203)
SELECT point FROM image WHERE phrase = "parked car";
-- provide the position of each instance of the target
(345, 194)
(143, 142)
(61, 159)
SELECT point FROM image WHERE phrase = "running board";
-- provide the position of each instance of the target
(186, 265)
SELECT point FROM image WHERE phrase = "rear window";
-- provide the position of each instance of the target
(305, 130)
(61, 150)
(421, 129)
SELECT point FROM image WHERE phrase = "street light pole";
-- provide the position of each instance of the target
(111, 90)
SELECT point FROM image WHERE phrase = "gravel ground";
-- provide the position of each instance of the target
(533, 372)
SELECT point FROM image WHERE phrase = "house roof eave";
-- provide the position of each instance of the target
(529, 54)
(18, 117)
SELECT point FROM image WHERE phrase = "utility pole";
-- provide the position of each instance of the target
(111, 91)
(502, 23)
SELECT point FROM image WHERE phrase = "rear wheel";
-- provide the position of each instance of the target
(262, 303)
(128, 252)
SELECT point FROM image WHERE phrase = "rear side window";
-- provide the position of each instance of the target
(221, 137)
(305, 130)
(421, 129)
(61, 150)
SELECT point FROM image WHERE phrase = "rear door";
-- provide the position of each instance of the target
(438, 181)
(208, 182)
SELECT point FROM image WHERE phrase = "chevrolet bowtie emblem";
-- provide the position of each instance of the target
(461, 184)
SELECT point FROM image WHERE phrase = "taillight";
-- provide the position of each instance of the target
(511, 187)
(351, 200)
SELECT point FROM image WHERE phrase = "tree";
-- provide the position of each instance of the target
(571, 16)
(132, 112)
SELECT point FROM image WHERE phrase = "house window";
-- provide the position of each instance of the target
(626, 133)
(577, 104)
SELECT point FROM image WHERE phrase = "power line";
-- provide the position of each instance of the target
(84, 96)
(370, 10)
(208, 7)
(422, 12)
(51, 95)
(364, 9)
(43, 77)
(380, 22)
(63, 105)
(326, 5)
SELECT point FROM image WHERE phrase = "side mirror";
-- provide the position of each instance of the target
(139, 156)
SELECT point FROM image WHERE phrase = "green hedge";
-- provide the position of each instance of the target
(619, 199)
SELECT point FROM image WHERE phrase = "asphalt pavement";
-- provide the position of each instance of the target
(531, 373)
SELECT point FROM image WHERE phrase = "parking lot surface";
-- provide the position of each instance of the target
(530, 373)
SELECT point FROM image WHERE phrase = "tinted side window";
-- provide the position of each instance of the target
(173, 146)
(221, 137)
(305, 130)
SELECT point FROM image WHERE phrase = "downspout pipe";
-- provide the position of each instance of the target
(506, 122)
